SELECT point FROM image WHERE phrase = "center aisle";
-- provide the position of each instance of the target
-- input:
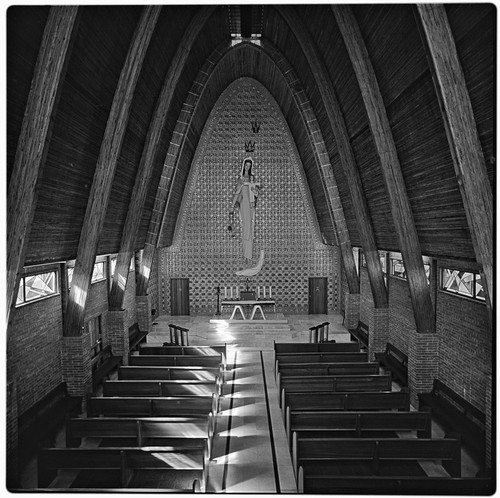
(250, 450)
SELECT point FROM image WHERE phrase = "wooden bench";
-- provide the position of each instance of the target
(39, 425)
(395, 400)
(150, 349)
(330, 423)
(170, 373)
(376, 456)
(327, 357)
(121, 467)
(458, 415)
(103, 363)
(147, 431)
(301, 369)
(195, 488)
(175, 361)
(396, 361)
(324, 347)
(161, 388)
(131, 406)
(135, 337)
(312, 483)
(360, 334)
(334, 383)
(179, 336)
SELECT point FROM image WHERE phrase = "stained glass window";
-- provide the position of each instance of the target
(398, 268)
(463, 283)
(99, 273)
(34, 287)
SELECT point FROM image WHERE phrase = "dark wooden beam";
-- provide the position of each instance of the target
(105, 170)
(34, 140)
(409, 243)
(163, 106)
(463, 137)
(346, 154)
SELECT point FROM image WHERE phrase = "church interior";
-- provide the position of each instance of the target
(250, 248)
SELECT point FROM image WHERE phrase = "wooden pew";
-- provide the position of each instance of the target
(334, 383)
(103, 363)
(39, 425)
(121, 467)
(360, 334)
(145, 360)
(147, 431)
(331, 423)
(327, 357)
(376, 456)
(195, 488)
(396, 361)
(161, 388)
(354, 401)
(136, 337)
(170, 373)
(184, 406)
(457, 415)
(157, 349)
(306, 347)
(312, 483)
(299, 369)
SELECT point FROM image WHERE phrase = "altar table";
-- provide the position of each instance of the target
(255, 303)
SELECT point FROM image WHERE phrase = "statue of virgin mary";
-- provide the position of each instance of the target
(244, 201)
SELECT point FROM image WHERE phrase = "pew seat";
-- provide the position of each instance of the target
(122, 467)
(103, 363)
(312, 483)
(175, 361)
(299, 369)
(132, 406)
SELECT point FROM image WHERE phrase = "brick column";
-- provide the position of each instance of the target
(117, 333)
(378, 331)
(12, 436)
(351, 310)
(423, 364)
(76, 365)
(143, 308)
(489, 419)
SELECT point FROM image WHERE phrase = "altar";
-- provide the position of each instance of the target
(254, 304)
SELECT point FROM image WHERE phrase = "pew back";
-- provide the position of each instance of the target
(161, 388)
(299, 369)
(328, 357)
(306, 347)
(168, 373)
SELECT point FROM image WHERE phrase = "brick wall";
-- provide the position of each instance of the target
(286, 228)
(401, 320)
(366, 300)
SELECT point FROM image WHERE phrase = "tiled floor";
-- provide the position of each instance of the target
(250, 450)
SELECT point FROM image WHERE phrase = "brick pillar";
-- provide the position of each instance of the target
(423, 364)
(12, 436)
(351, 310)
(76, 365)
(143, 308)
(117, 332)
(489, 418)
(378, 331)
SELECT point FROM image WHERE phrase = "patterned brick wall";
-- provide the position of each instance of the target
(285, 227)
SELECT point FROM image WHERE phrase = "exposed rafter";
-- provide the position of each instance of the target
(105, 170)
(34, 140)
(347, 159)
(409, 243)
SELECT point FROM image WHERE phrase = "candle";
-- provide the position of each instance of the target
(225, 292)
(237, 292)
(258, 292)
(231, 291)
(270, 292)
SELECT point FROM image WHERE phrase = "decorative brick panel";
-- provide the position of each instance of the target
(378, 325)
(351, 310)
(285, 225)
(118, 334)
(423, 364)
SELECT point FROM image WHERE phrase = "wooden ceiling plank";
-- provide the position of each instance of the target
(409, 243)
(163, 106)
(34, 140)
(462, 134)
(346, 154)
(103, 178)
